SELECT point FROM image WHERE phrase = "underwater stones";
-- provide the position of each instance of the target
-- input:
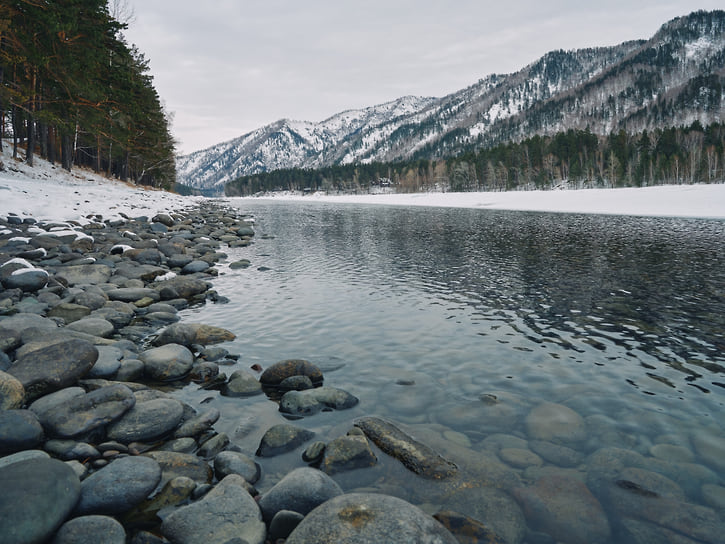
(347, 453)
(38, 495)
(369, 518)
(555, 423)
(234, 462)
(282, 438)
(228, 513)
(466, 529)
(188, 334)
(278, 372)
(711, 447)
(300, 491)
(565, 509)
(311, 401)
(241, 384)
(414, 455)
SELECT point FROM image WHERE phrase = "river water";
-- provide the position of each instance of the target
(519, 345)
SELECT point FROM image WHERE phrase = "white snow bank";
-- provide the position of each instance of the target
(49, 193)
(667, 200)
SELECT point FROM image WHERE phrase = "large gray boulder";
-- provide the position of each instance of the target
(38, 496)
(369, 518)
(301, 491)
(228, 513)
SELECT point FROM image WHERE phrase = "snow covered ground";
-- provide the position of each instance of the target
(50, 193)
(47, 192)
(667, 200)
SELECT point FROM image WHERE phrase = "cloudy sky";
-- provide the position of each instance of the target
(226, 67)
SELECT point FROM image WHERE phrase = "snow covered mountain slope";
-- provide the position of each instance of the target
(674, 78)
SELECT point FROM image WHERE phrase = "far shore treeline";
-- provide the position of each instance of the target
(75, 92)
(573, 159)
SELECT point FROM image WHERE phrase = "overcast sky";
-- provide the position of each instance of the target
(226, 67)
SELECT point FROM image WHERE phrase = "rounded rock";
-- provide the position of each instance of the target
(119, 486)
(369, 518)
(19, 430)
(12, 392)
(282, 438)
(278, 372)
(147, 421)
(38, 495)
(167, 363)
(301, 491)
(91, 530)
(233, 462)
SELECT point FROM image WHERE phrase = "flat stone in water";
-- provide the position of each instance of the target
(275, 374)
(188, 334)
(54, 367)
(369, 518)
(311, 401)
(228, 513)
(347, 453)
(87, 529)
(233, 462)
(241, 384)
(38, 496)
(119, 486)
(147, 421)
(301, 491)
(415, 456)
(198, 424)
(282, 438)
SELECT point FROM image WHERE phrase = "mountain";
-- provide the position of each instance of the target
(674, 78)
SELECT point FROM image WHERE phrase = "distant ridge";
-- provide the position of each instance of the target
(674, 78)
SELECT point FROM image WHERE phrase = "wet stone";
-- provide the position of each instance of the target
(19, 430)
(466, 529)
(94, 274)
(283, 523)
(24, 455)
(494, 508)
(108, 363)
(213, 446)
(555, 423)
(278, 372)
(132, 294)
(233, 462)
(228, 513)
(147, 421)
(86, 412)
(198, 424)
(414, 455)
(556, 454)
(241, 384)
(347, 453)
(188, 334)
(91, 529)
(300, 491)
(54, 367)
(54, 489)
(282, 438)
(168, 362)
(313, 453)
(369, 518)
(12, 392)
(69, 311)
(68, 450)
(311, 401)
(175, 464)
(119, 486)
(94, 326)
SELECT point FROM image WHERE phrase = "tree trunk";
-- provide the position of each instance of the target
(66, 148)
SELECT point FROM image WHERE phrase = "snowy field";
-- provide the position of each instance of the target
(50, 193)
(668, 200)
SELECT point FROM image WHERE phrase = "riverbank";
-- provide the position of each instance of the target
(705, 201)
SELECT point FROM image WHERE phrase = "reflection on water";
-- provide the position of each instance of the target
(487, 318)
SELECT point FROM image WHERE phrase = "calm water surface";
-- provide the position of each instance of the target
(457, 324)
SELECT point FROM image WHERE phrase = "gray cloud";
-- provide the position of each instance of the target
(226, 67)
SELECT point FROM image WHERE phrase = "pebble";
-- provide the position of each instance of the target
(311, 401)
(91, 529)
(300, 491)
(282, 438)
(233, 462)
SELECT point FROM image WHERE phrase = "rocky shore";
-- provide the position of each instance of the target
(93, 446)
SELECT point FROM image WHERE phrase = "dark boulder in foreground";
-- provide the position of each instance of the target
(282, 370)
(54, 489)
(416, 457)
(369, 518)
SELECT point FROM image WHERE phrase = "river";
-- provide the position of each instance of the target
(502, 334)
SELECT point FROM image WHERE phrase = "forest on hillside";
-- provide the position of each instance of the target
(573, 159)
(74, 91)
